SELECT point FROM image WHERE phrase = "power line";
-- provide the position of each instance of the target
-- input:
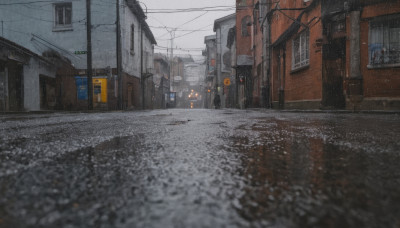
(192, 19)
(189, 11)
(24, 3)
(177, 48)
(206, 7)
(197, 30)
(178, 30)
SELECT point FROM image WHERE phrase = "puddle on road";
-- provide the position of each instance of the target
(296, 178)
(111, 151)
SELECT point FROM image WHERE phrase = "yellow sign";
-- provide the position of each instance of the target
(100, 90)
(227, 81)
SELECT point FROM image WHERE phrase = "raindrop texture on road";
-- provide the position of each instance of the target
(200, 168)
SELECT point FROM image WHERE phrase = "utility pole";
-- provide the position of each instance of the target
(141, 66)
(89, 55)
(172, 32)
(119, 61)
(143, 75)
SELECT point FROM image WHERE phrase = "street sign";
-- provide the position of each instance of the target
(80, 52)
(81, 88)
(227, 81)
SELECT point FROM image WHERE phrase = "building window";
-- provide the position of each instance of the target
(132, 39)
(301, 51)
(241, 3)
(246, 22)
(63, 15)
(384, 41)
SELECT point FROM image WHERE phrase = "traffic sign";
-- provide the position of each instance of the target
(227, 81)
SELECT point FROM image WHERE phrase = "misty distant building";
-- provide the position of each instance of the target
(210, 53)
(161, 80)
(223, 61)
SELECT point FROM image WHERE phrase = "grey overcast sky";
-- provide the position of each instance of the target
(188, 38)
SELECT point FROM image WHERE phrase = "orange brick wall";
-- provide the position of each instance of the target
(280, 22)
(383, 82)
(275, 83)
(305, 84)
(243, 44)
(258, 53)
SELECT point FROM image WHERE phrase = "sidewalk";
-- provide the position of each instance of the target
(332, 111)
(57, 112)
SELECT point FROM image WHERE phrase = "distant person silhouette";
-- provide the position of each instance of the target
(217, 101)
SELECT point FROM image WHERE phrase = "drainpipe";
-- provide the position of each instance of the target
(355, 84)
(254, 70)
(141, 65)
(220, 82)
(263, 46)
(283, 78)
(269, 65)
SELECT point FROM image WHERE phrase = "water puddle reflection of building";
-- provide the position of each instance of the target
(295, 176)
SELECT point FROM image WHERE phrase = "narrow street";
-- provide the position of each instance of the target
(200, 168)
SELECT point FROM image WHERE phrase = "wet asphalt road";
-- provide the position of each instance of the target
(200, 168)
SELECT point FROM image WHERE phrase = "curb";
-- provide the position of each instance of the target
(374, 112)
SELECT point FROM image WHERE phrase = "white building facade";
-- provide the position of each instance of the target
(59, 26)
(223, 63)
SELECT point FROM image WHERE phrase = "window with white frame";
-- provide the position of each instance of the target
(384, 41)
(132, 39)
(63, 15)
(301, 50)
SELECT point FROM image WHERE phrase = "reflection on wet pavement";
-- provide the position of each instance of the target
(204, 168)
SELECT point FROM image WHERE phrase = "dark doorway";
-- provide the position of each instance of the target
(131, 96)
(15, 87)
(246, 84)
(47, 93)
(334, 68)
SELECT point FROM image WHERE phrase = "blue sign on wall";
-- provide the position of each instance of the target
(172, 96)
(81, 88)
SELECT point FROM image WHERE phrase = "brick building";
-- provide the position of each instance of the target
(378, 22)
(244, 52)
(296, 60)
(335, 54)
